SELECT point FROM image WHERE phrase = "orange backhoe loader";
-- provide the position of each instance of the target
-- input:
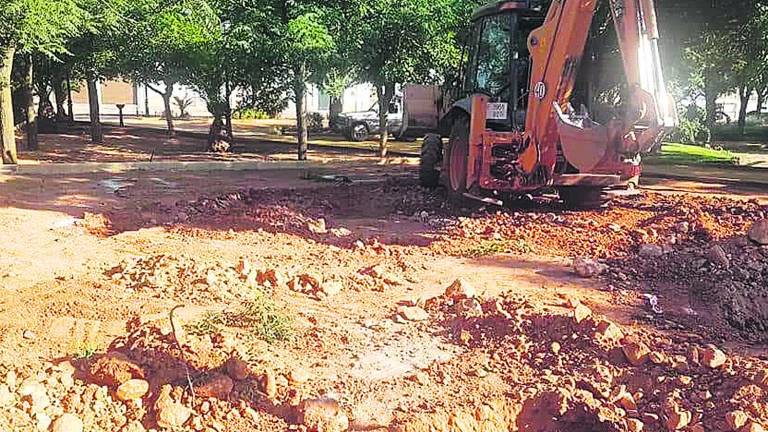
(509, 125)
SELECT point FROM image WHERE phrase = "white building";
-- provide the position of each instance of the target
(139, 100)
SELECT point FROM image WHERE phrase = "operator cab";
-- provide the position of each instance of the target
(498, 62)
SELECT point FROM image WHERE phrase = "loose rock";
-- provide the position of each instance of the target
(413, 313)
(217, 386)
(170, 414)
(323, 415)
(132, 389)
(460, 289)
(636, 352)
(651, 251)
(736, 419)
(712, 357)
(67, 423)
(759, 232)
(115, 368)
(588, 268)
(581, 312)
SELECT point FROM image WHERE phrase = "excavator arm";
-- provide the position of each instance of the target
(556, 51)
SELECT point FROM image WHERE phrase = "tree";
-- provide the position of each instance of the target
(163, 37)
(404, 41)
(95, 55)
(308, 47)
(27, 27)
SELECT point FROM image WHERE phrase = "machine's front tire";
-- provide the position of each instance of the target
(431, 156)
(582, 197)
(455, 161)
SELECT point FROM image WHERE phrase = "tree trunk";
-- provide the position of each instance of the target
(30, 109)
(97, 134)
(58, 94)
(744, 93)
(761, 94)
(7, 136)
(228, 111)
(167, 105)
(335, 108)
(70, 108)
(300, 92)
(710, 94)
(385, 94)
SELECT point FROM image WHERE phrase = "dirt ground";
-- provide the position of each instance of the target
(146, 145)
(365, 303)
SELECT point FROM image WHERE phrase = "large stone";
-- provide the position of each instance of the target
(753, 427)
(716, 254)
(35, 394)
(581, 312)
(67, 423)
(635, 425)
(169, 413)
(736, 419)
(759, 232)
(217, 386)
(132, 389)
(677, 418)
(651, 251)
(609, 331)
(237, 369)
(323, 415)
(712, 357)
(460, 289)
(42, 422)
(6, 396)
(636, 352)
(413, 313)
(588, 268)
(115, 368)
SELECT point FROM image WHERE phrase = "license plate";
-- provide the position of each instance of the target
(497, 110)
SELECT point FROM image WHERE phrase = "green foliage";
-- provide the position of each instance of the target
(315, 121)
(259, 316)
(693, 127)
(164, 38)
(250, 114)
(183, 102)
(42, 26)
(406, 41)
(85, 350)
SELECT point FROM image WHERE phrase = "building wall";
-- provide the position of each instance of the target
(140, 100)
(360, 97)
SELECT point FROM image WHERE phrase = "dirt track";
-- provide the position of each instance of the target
(350, 305)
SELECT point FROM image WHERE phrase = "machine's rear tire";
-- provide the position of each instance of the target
(431, 156)
(582, 197)
(455, 162)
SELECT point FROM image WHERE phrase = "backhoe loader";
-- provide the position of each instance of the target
(508, 128)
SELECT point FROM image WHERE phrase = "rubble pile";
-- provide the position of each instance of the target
(620, 230)
(577, 370)
(185, 278)
(731, 275)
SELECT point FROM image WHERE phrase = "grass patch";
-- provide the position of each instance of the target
(675, 153)
(85, 350)
(494, 247)
(259, 317)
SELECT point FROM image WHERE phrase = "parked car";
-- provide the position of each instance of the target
(360, 125)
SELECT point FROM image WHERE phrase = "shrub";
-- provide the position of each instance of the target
(250, 114)
(692, 128)
(315, 121)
